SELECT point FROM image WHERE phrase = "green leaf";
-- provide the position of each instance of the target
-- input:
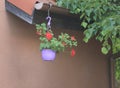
(85, 39)
(88, 12)
(82, 15)
(84, 24)
(104, 50)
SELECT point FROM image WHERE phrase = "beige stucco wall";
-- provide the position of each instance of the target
(21, 65)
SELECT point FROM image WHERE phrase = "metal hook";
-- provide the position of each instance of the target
(49, 22)
(48, 17)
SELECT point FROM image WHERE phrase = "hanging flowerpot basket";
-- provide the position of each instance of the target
(48, 54)
(49, 43)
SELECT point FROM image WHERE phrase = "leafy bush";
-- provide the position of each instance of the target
(117, 69)
(100, 18)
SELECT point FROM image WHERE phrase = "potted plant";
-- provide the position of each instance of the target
(49, 44)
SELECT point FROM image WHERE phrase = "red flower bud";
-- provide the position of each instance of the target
(73, 52)
(48, 35)
(73, 38)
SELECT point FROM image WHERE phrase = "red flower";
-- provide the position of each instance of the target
(48, 35)
(73, 38)
(73, 52)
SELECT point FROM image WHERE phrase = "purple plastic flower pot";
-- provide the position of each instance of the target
(48, 54)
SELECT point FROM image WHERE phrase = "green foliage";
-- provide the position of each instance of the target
(117, 69)
(48, 41)
(100, 18)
